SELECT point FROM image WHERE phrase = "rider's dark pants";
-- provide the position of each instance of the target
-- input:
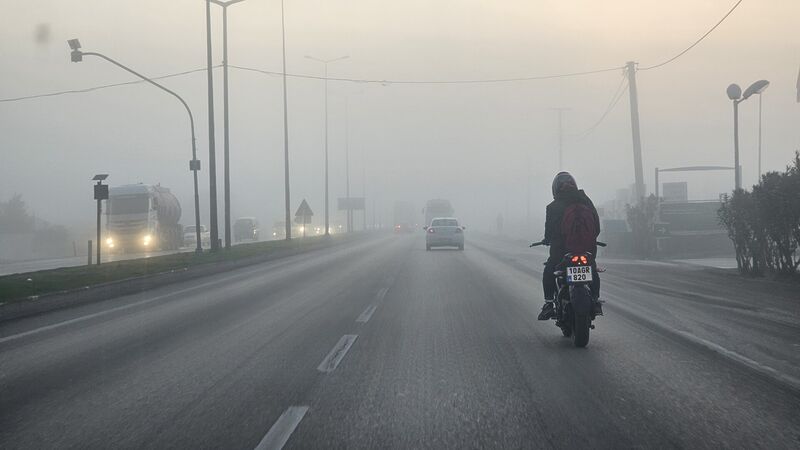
(549, 280)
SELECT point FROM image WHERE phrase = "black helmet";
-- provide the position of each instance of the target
(562, 180)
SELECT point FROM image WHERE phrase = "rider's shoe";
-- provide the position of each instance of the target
(548, 310)
(597, 306)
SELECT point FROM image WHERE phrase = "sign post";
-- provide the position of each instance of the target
(351, 204)
(303, 215)
(100, 194)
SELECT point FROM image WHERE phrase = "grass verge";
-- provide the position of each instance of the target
(20, 286)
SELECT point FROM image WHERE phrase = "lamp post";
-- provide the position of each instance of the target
(225, 122)
(735, 94)
(287, 197)
(760, 88)
(212, 145)
(194, 165)
(325, 62)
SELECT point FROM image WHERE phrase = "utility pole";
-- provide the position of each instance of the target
(325, 62)
(637, 140)
(347, 163)
(212, 161)
(226, 139)
(285, 132)
(364, 188)
(560, 136)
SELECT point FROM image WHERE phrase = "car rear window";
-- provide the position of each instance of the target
(445, 223)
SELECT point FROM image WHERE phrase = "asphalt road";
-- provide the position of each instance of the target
(383, 344)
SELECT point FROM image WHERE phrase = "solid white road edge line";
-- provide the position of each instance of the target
(331, 361)
(279, 434)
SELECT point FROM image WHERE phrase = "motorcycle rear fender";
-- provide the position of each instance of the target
(581, 298)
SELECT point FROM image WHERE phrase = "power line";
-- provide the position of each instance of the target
(618, 94)
(695, 42)
(464, 81)
(315, 77)
(97, 88)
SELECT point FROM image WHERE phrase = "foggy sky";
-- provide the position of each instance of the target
(477, 145)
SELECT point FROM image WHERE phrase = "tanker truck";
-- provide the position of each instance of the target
(142, 217)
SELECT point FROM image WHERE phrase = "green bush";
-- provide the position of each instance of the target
(764, 224)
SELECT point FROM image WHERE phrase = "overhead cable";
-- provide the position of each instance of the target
(695, 42)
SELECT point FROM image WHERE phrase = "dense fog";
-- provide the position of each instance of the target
(490, 148)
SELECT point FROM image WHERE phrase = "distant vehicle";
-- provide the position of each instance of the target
(190, 236)
(437, 208)
(279, 230)
(142, 217)
(444, 232)
(405, 217)
(245, 229)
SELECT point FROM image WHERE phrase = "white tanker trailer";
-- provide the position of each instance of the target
(142, 217)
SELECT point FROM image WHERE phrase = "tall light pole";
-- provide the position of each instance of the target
(325, 62)
(194, 165)
(760, 90)
(212, 160)
(735, 94)
(288, 212)
(347, 163)
(226, 139)
(560, 136)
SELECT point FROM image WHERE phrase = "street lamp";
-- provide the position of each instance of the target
(327, 198)
(226, 139)
(735, 94)
(194, 165)
(212, 159)
(757, 88)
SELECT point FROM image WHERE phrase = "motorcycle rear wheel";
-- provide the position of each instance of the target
(580, 330)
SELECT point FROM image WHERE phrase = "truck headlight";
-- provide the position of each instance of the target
(110, 242)
(147, 239)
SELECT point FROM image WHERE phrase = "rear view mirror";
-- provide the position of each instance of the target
(463, 227)
(425, 227)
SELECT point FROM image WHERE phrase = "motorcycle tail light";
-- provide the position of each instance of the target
(574, 259)
(583, 260)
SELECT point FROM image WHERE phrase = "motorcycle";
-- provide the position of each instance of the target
(574, 302)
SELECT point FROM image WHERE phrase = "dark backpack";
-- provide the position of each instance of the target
(579, 229)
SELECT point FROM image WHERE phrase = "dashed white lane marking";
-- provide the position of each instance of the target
(381, 294)
(333, 359)
(283, 428)
(365, 316)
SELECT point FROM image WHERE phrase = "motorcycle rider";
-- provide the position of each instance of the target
(565, 195)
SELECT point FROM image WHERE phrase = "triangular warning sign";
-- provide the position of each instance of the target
(304, 211)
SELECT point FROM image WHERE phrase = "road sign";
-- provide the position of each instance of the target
(352, 203)
(303, 215)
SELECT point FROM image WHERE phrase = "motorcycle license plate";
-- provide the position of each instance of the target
(579, 274)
